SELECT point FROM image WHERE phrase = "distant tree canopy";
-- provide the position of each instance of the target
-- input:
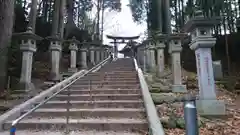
(80, 15)
(183, 9)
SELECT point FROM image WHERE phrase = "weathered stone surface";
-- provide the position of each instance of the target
(148, 77)
(179, 88)
(158, 90)
(211, 107)
(175, 121)
(159, 98)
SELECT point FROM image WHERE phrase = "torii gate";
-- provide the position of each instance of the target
(122, 40)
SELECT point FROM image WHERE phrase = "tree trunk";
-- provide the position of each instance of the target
(55, 21)
(33, 15)
(6, 25)
(167, 16)
(50, 18)
(70, 23)
(98, 19)
(159, 10)
(103, 8)
(61, 18)
(45, 10)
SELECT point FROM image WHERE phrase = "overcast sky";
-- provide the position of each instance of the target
(121, 24)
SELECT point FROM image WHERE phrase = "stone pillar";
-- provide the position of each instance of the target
(98, 55)
(160, 57)
(83, 58)
(176, 49)
(92, 55)
(139, 56)
(143, 58)
(55, 49)
(73, 50)
(147, 58)
(152, 61)
(102, 54)
(115, 50)
(105, 53)
(28, 47)
(202, 42)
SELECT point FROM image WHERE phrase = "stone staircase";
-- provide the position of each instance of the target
(106, 102)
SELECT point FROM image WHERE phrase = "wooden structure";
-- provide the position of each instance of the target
(120, 39)
(130, 49)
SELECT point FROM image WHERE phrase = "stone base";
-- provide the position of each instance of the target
(26, 86)
(72, 70)
(148, 77)
(55, 77)
(179, 88)
(82, 68)
(211, 107)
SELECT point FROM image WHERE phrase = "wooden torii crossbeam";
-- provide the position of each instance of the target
(122, 41)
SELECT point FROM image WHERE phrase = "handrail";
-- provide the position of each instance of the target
(155, 125)
(16, 121)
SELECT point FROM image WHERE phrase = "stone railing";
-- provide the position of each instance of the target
(155, 126)
(15, 113)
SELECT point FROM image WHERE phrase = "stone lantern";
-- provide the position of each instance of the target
(56, 51)
(160, 46)
(83, 54)
(102, 52)
(201, 42)
(175, 50)
(151, 55)
(73, 47)
(92, 50)
(98, 53)
(28, 47)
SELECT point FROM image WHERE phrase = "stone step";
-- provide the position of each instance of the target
(108, 79)
(96, 104)
(81, 124)
(107, 86)
(91, 113)
(113, 76)
(123, 74)
(103, 91)
(117, 86)
(78, 132)
(110, 69)
(87, 82)
(115, 72)
(93, 97)
(114, 84)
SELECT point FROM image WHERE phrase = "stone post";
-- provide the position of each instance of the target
(28, 47)
(92, 55)
(143, 58)
(147, 58)
(175, 49)
(83, 51)
(73, 54)
(160, 54)
(55, 49)
(98, 55)
(102, 54)
(105, 53)
(202, 42)
(115, 49)
(152, 61)
(139, 55)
